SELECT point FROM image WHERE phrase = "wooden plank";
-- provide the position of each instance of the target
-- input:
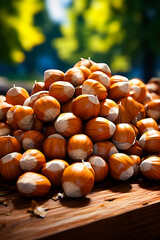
(112, 209)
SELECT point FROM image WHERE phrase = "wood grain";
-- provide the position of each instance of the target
(113, 210)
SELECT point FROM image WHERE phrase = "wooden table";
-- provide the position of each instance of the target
(113, 210)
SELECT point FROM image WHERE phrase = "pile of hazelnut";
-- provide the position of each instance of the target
(77, 127)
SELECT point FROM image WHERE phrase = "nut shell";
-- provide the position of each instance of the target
(55, 147)
(32, 184)
(30, 101)
(62, 91)
(67, 124)
(103, 67)
(94, 87)
(121, 166)
(150, 141)
(16, 95)
(104, 149)
(118, 78)
(37, 87)
(150, 168)
(4, 107)
(32, 139)
(9, 117)
(109, 109)
(135, 149)
(75, 76)
(53, 170)
(137, 89)
(77, 180)
(84, 62)
(79, 147)
(18, 134)
(99, 129)
(67, 107)
(9, 144)
(124, 136)
(10, 166)
(86, 106)
(86, 71)
(137, 161)
(128, 110)
(32, 160)
(100, 167)
(100, 77)
(51, 76)
(118, 90)
(23, 117)
(5, 129)
(146, 124)
(153, 109)
(47, 108)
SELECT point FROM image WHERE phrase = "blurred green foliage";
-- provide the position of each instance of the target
(117, 32)
(17, 31)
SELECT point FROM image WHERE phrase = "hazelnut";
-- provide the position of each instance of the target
(77, 180)
(32, 184)
(121, 166)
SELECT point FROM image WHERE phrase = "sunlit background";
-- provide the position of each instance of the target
(36, 35)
